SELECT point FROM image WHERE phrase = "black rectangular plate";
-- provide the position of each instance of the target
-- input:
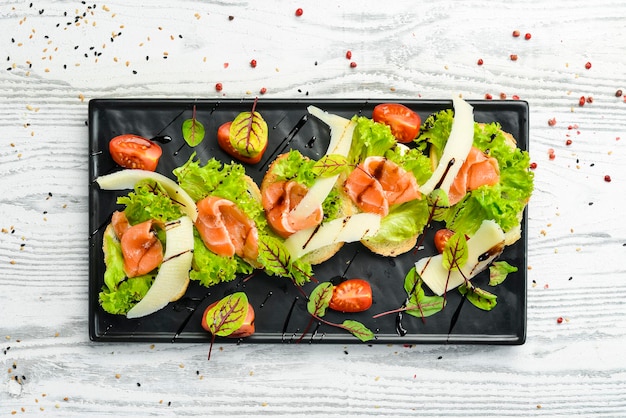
(281, 314)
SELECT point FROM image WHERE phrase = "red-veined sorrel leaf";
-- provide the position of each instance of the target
(249, 133)
(330, 165)
(419, 304)
(498, 272)
(358, 330)
(455, 252)
(274, 257)
(228, 314)
(193, 130)
(319, 299)
(478, 297)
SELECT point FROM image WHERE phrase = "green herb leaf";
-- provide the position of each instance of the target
(319, 299)
(331, 165)
(193, 130)
(420, 305)
(358, 330)
(478, 297)
(276, 261)
(455, 252)
(249, 133)
(228, 314)
(498, 272)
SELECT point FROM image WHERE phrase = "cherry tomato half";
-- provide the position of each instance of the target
(133, 151)
(441, 238)
(404, 123)
(223, 140)
(353, 295)
(245, 330)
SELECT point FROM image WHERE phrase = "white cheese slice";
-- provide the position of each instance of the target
(173, 276)
(456, 150)
(348, 229)
(482, 248)
(341, 130)
(126, 179)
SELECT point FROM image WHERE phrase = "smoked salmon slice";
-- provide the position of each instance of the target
(119, 222)
(477, 170)
(279, 200)
(225, 229)
(141, 249)
(377, 183)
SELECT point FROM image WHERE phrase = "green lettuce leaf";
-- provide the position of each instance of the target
(120, 294)
(413, 161)
(403, 222)
(369, 138)
(149, 200)
(210, 269)
(295, 167)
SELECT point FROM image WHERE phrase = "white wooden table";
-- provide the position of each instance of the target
(58, 55)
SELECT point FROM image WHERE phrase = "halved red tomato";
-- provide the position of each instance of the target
(404, 122)
(134, 151)
(223, 140)
(245, 330)
(353, 295)
(441, 238)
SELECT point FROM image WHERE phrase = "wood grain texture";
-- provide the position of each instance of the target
(58, 55)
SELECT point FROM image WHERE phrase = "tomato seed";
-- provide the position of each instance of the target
(348, 54)
(480, 61)
(299, 12)
(516, 33)
(527, 36)
(218, 86)
(588, 65)
(253, 63)
(552, 122)
(607, 178)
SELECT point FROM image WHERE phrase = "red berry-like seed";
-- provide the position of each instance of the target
(513, 57)
(353, 64)
(581, 101)
(589, 99)
(559, 320)
(527, 36)
(588, 65)
(533, 165)
(348, 54)
(552, 122)
(299, 12)
(263, 90)
(488, 96)
(568, 142)
(515, 97)
(218, 86)
(516, 33)
(253, 63)
(607, 178)
(503, 96)
(480, 61)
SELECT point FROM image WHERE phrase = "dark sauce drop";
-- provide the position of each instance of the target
(399, 328)
(288, 318)
(162, 139)
(269, 295)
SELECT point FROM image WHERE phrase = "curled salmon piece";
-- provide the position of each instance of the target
(225, 229)
(141, 249)
(120, 223)
(279, 200)
(377, 183)
(477, 170)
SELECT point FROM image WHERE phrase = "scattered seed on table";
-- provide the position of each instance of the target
(480, 61)
(513, 57)
(607, 178)
(353, 64)
(588, 65)
(299, 12)
(527, 36)
(348, 54)
(516, 33)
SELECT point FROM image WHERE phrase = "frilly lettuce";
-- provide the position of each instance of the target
(403, 222)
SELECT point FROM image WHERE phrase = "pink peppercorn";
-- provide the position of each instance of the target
(552, 122)
(353, 64)
(607, 178)
(219, 87)
(299, 12)
(263, 90)
(480, 61)
(588, 65)
(516, 33)
(533, 165)
(253, 63)
(348, 55)
(527, 36)
(568, 142)
(581, 101)
(559, 320)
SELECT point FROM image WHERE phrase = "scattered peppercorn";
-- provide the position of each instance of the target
(503, 96)
(253, 63)
(353, 64)
(589, 99)
(516, 33)
(299, 12)
(513, 57)
(581, 101)
(480, 61)
(515, 97)
(607, 178)
(568, 142)
(552, 122)
(559, 320)
(618, 93)
(588, 65)
(527, 36)
(263, 90)
(219, 87)
(488, 96)
(348, 54)
(533, 165)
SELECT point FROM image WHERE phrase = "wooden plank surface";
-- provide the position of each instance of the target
(59, 55)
